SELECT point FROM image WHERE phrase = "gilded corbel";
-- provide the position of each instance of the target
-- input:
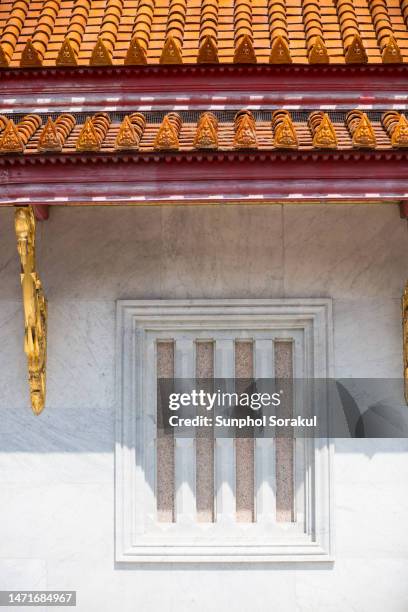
(35, 308)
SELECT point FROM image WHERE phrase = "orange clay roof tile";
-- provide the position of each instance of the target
(262, 130)
(83, 32)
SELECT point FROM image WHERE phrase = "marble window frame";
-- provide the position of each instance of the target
(134, 319)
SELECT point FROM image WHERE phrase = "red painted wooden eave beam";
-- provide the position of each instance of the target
(198, 86)
(100, 179)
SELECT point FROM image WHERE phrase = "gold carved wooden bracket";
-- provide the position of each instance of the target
(35, 307)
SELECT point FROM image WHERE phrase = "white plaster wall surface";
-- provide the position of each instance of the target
(57, 470)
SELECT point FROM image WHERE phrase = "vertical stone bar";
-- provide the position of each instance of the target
(244, 446)
(165, 443)
(224, 447)
(265, 452)
(185, 454)
(285, 446)
(204, 438)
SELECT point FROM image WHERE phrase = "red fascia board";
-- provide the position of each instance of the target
(268, 176)
(200, 86)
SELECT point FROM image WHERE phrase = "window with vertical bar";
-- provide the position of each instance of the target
(205, 497)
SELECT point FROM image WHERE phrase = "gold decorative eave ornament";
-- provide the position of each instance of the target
(35, 308)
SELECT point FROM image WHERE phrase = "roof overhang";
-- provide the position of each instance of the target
(197, 86)
(98, 179)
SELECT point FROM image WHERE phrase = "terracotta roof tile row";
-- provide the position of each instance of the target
(105, 32)
(66, 133)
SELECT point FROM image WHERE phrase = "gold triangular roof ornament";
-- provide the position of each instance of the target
(100, 55)
(171, 53)
(10, 141)
(88, 138)
(136, 54)
(127, 137)
(399, 136)
(364, 134)
(356, 54)
(318, 53)
(280, 53)
(325, 135)
(244, 53)
(4, 60)
(208, 52)
(245, 136)
(49, 139)
(30, 56)
(66, 55)
(391, 53)
(206, 136)
(166, 137)
(285, 135)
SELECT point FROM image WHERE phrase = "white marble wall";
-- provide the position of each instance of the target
(56, 471)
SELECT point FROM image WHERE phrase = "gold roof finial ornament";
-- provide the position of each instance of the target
(243, 33)
(141, 32)
(49, 140)
(324, 134)
(353, 47)
(399, 137)
(100, 54)
(391, 53)
(280, 53)
(167, 138)
(15, 137)
(10, 141)
(66, 55)
(55, 133)
(361, 130)
(318, 52)
(278, 32)
(78, 17)
(171, 53)
(355, 53)
(244, 53)
(127, 137)
(208, 48)
(405, 338)
(35, 308)
(30, 57)
(313, 24)
(208, 52)
(245, 130)
(88, 139)
(396, 126)
(206, 136)
(103, 51)
(136, 54)
(176, 21)
(284, 131)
